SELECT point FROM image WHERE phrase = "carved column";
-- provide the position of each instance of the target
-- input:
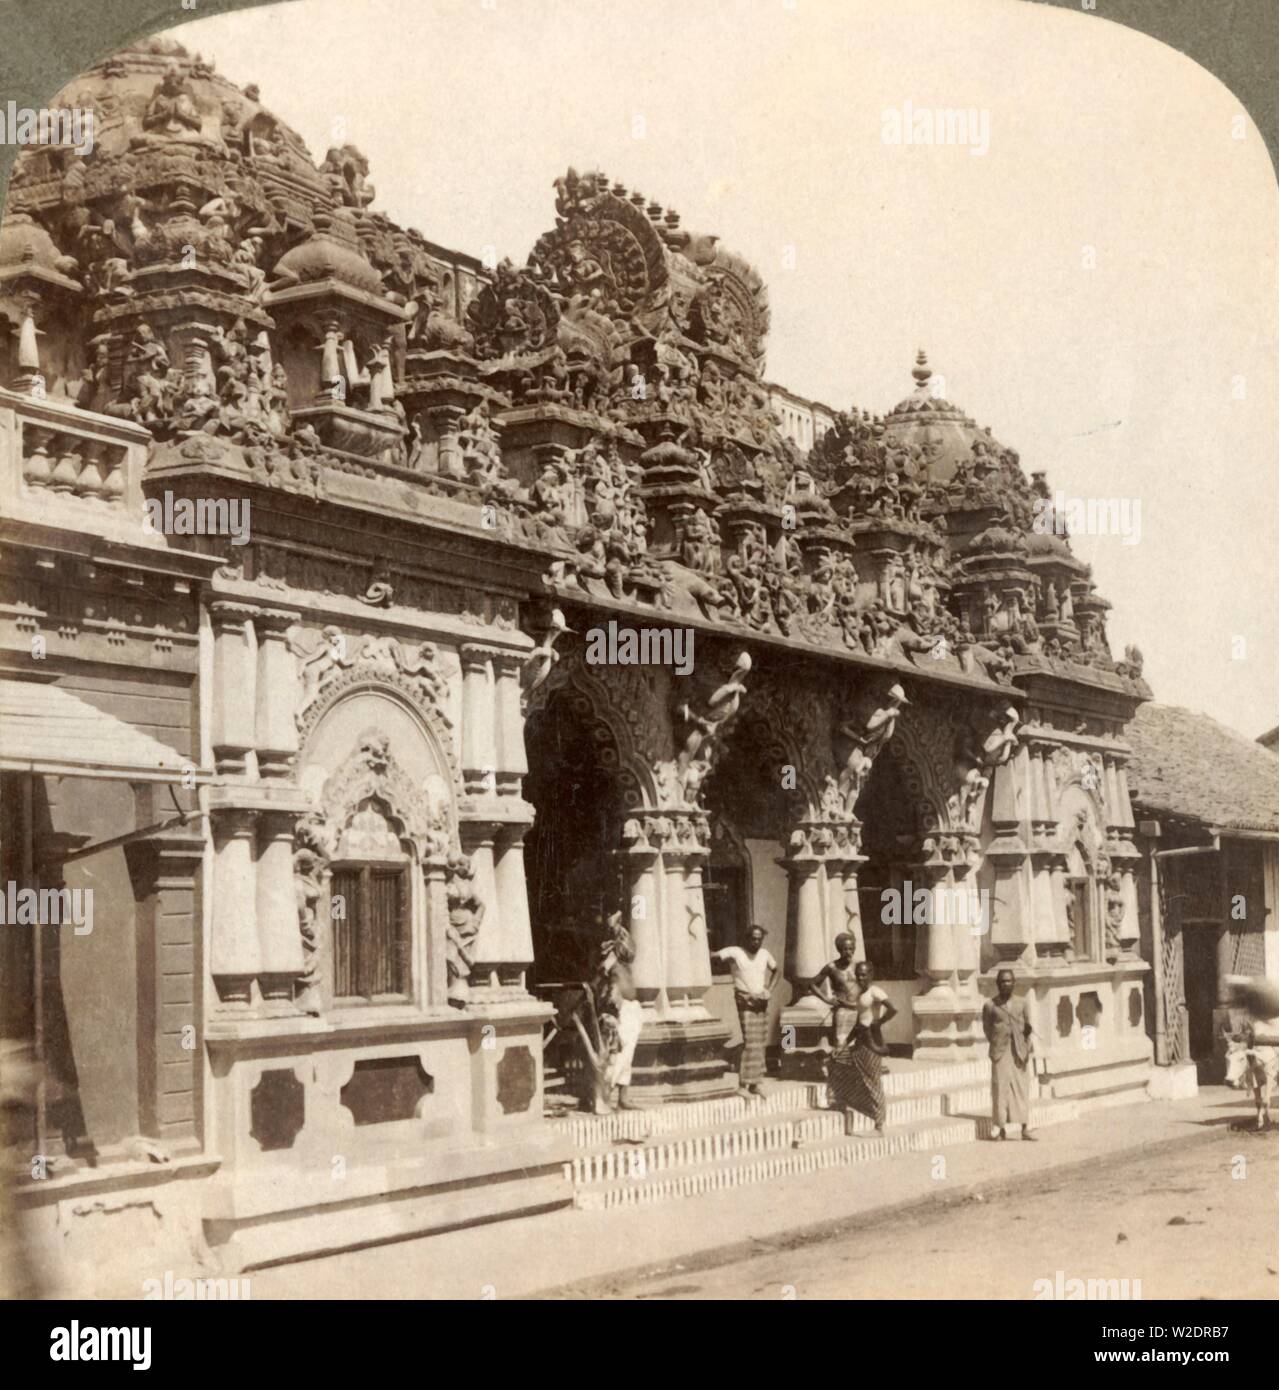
(512, 763)
(434, 958)
(666, 852)
(971, 919)
(277, 911)
(233, 686)
(645, 914)
(478, 839)
(806, 927)
(331, 379)
(1124, 855)
(235, 953)
(687, 953)
(1047, 857)
(479, 744)
(445, 423)
(699, 973)
(822, 863)
(1011, 930)
(277, 693)
(935, 953)
(947, 1013)
(512, 892)
(682, 1046)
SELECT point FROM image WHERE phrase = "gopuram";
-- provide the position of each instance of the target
(354, 800)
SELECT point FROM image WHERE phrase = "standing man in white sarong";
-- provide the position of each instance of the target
(621, 1016)
(1006, 1023)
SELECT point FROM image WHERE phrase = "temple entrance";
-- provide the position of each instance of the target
(574, 878)
(891, 842)
(744, 883)
(726, 887)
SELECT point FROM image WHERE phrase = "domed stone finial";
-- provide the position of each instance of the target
(921, 371)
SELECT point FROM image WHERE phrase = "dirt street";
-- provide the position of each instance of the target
(1188, 1220)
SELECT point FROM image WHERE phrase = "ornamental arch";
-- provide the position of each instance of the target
(372, 862)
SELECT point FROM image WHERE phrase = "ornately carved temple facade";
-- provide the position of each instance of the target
(382, 701)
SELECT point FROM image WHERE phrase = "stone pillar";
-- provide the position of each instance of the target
(852, 907)
(512, 764)
(446, 423)
(948, 1011)
(1011, 928)
(700, 974)
(822, 869)
(478, 838)
(30, 379)
(277, 693)
(331, 379)
(233, 686)
(644, 912)
(684, 903)
(806, 945)
(512, 892)
(936, 957)
(235, 953)
(433, 961)
(682, 1049)
(1125, 857)
(479, 745)
(970, 924)
(1047, 859)
(279, 937)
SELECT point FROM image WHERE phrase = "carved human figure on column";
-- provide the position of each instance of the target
(864, 743)
(1114, 916)
(466, 912)
(1001, 742)
(312, 849)
(975, 763)
(541, 660)
(694, 759)
(319, 665)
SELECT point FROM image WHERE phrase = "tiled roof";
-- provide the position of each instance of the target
(1186, 764)
(46, 729)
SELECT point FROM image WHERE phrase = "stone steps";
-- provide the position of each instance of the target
(642, 1157)
(766, 1166)
(587, 1131)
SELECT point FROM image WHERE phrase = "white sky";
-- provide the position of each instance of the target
(1151, 376)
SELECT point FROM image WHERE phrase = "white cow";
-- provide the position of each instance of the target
(1252, 1066)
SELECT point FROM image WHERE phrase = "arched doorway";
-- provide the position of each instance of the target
(744, 882)
(891, 833)
(574, 876)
